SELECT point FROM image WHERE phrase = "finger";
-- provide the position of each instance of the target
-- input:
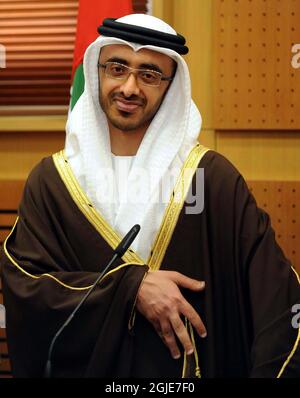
(158, 329)
(186, 282)
(168, 338)
(182, 334)
(190, 313)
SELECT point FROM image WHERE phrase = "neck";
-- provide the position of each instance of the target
(125, 143)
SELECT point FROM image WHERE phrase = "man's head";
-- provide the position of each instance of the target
(129, 97)
(174, 119)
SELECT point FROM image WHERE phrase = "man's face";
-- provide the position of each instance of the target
(128, 104)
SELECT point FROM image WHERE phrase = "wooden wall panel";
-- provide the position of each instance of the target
(255, 85)
(281, 200)
(19, 152)
(261, 154)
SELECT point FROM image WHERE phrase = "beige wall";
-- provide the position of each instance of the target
(20, 151)
(24, 141)
(259, 155)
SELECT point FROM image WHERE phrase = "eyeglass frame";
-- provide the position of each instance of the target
(131, 70)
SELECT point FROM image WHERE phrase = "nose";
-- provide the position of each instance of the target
(130, 86)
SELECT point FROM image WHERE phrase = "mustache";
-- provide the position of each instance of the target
(132, 99)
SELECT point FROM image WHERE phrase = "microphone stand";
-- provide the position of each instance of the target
(118, 252)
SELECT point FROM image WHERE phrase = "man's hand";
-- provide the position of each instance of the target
(161, 302)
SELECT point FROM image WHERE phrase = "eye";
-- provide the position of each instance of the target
(149, 76)
(116, 69)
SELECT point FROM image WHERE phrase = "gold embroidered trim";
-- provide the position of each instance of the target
(297, 275)
(175, 206)
(290, 356)
(296, 342)
(197, 366)
(49, 275)
(169, 220)
(133, 310)
(184, 365)
(197, 370)
(85, 206)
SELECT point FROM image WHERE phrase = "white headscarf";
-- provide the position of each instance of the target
(170, 137)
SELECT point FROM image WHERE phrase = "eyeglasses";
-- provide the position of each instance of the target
(147, 77)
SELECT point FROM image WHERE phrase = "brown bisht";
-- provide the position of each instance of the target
(50, 260)
(60, 243)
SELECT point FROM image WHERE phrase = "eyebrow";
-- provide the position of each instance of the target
(116, 59)
(144, 66)
(152, 67)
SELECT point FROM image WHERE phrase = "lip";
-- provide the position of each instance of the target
(127, 106)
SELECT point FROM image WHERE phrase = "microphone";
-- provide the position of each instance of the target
(118, 252)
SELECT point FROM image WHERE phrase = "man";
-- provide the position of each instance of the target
(199, 293)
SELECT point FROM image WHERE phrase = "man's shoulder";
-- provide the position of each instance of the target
(223, 183)
(217, 165)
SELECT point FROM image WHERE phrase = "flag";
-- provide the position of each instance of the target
(90, 15)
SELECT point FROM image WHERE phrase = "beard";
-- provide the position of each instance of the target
(126, 121)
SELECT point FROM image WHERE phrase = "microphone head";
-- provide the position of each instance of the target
(136, 228)
(127, 240)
